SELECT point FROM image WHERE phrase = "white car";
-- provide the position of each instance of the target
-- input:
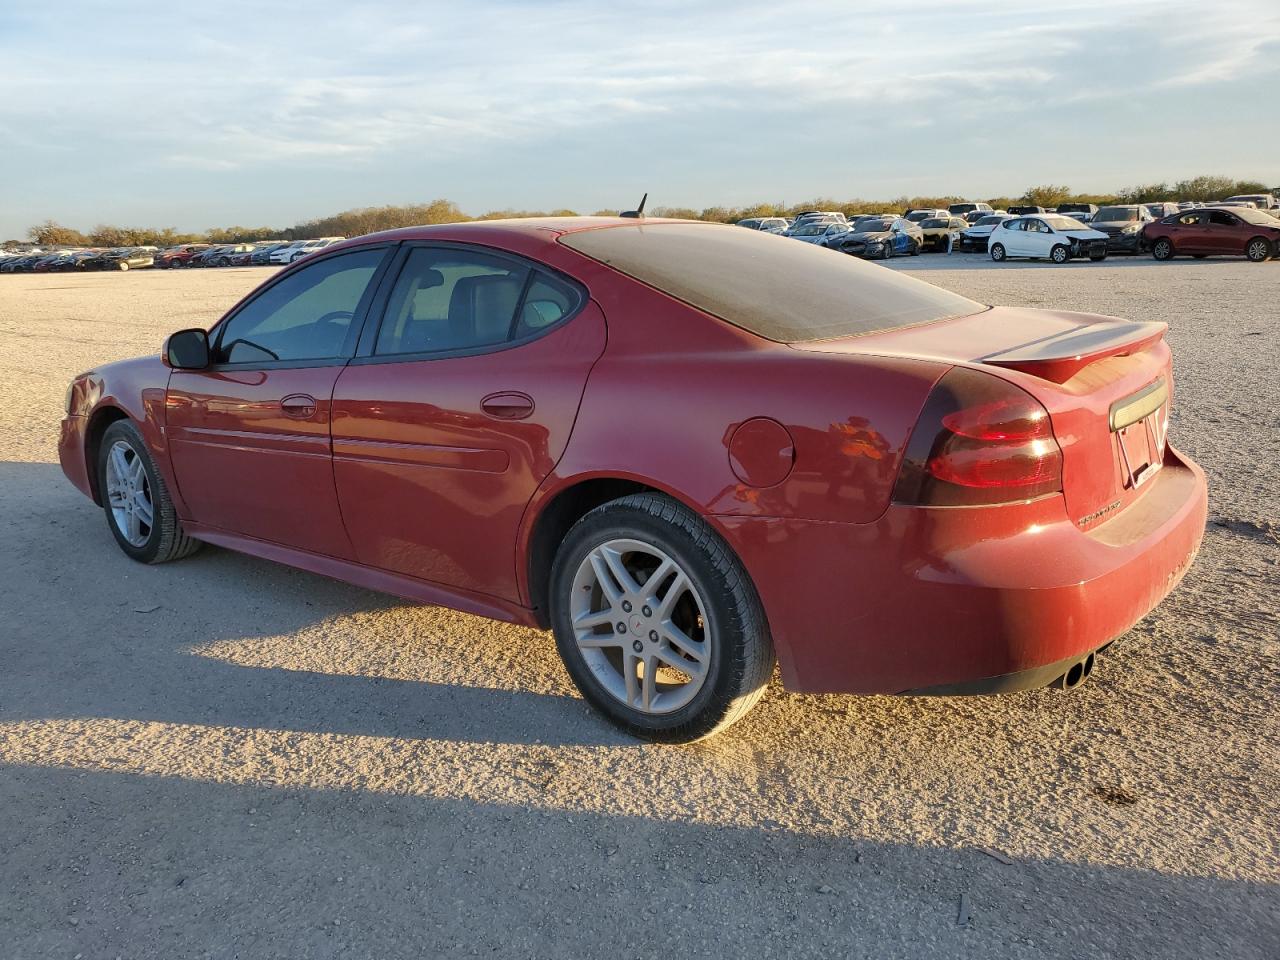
(300, 248)
(1046, 236)
(767, 224)
(976, 236)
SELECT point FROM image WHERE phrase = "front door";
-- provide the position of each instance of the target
(249, 435)
(1224, 233)
(454, 411)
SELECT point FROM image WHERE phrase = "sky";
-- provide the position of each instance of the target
(194, 115)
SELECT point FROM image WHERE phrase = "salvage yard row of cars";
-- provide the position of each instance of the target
(1247, 225)
(1238, 226)
(188, 255)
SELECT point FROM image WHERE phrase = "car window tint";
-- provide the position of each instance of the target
(1221, 219)
(306, 316)
(449, 300)
(547, 301)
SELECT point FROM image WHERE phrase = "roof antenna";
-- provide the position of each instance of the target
(638, 212)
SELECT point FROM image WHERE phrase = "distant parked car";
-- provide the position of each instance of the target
(767, 224)
(1215, 232)
(1123, 226)
(880, 238)
(1025, 210)
(179, 256)
(960, 209)
(936, 231)
(1162, 209)
(1046, 237)
(262, 255)
(122, 259)
(977, 235)
(816, 231)
(1263, 201)
(929, 213)
(1080, 211)
(820, 215)
(300, 248)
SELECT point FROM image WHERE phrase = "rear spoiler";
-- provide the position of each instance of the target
(1060, 357)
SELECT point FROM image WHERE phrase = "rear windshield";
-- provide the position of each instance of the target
(771, 286)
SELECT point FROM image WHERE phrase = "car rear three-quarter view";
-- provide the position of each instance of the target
(691, 450)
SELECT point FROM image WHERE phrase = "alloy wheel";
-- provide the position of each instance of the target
(641, 626)
(129, 494)
(1258, 251)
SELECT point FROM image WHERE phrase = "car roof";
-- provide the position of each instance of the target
(498, 232)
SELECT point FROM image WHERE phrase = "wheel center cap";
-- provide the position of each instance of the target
(637, 625)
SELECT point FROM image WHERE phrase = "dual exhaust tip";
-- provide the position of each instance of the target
(1076, 674)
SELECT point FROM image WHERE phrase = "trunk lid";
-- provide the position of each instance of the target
(1107, 385)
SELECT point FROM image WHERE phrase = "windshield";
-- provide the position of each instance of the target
(989, 221)
(809, 230)
(1112, 214)
(788, 292)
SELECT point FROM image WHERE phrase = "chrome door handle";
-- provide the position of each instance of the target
(299, 406)
(508, 406)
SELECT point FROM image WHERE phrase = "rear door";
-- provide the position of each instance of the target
(456, 407)
(249, 435)
(1012, 233)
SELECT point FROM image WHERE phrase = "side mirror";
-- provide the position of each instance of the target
(187, 350)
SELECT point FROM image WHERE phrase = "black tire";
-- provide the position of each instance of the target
(1097, 257)
(1258, 250)
(915, 249)
(166, 540)
(1162, 249)
(741, 657)
(997, 252)
(1059, 254)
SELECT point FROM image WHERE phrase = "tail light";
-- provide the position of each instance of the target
(979, 440)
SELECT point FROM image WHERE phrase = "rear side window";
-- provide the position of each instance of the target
(771, 286)
(451, 300)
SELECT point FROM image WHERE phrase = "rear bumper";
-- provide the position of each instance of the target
(960, 598)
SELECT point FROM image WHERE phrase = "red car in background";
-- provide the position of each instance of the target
(688, 449)
(1211, 232)
(179, 256)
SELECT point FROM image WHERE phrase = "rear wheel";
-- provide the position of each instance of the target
(1162, 249)
(1258, 249)
(1059, 254)
(997, 252)
(139, 510)
(657, 622)
(122, 266)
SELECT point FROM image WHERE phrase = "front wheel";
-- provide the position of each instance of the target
(997, 252)
(657, 622)
(139, 510)
(1059, 254)
(1258, 250)
(1162, 249)
(122, 266)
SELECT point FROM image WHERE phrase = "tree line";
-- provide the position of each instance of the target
(354, 223)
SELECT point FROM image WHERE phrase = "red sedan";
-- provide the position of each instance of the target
(1209, 232)
(689, 449)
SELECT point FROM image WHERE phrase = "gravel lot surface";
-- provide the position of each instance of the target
(226, 758)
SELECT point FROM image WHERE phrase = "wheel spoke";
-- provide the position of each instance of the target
(620, 573)
(651, 585)
(137, 473)
(683, 642)
(134, 527)
(119, 463)
(629, 664)
(605, 580)
(142, 508)
(650, 681)
(599, 618)
(672, 658)
(606, 641)
(668, 602)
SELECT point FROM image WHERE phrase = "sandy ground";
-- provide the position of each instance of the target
(227, 758)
